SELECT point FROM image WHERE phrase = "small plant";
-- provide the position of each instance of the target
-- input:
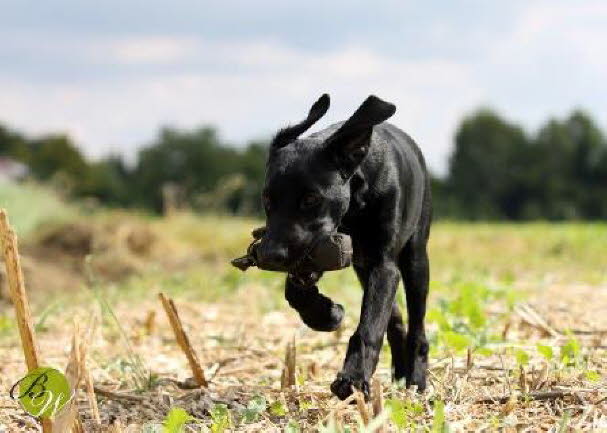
(546, 352)
(292, 427)
(41, 322)
(221, 418)
(439, 423)
(570, 352)
(176, 420)
(463, 321)
(257, 405)
(6, 324)
(403, 412)
(522, 357)
(278, 408)
(592, 375)
(305, 404)
(141, 376)
(564, 423)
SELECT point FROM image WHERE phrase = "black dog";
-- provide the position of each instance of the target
(367, 179)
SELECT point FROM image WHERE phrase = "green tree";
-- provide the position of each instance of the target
(13, 144)
(55, 154)
(110, 181)
(488, 168)
(195, 160)
(570, 155)
(253, 167)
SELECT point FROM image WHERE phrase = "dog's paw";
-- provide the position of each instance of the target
(342, 386)
(416, 375)
(316, 310)
(418, 378)
(324, 321)
(416, 365)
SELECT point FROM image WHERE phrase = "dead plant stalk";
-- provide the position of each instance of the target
(183, 340)
(16, 285)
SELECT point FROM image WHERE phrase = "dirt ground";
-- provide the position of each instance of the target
(243, 356)
(242, 348)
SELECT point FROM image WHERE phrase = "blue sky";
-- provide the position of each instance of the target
(110, 73)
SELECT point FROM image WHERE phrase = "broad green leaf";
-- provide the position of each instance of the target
(592, 376)
(278, 408)
(6, 324)
(570, 351)
(292, 427)
(455, 341)
(483, 351)
(305, 404)
(398, 414)
(545, 351)
(522, 357)
(439, 424)
(176, 420)
(221, 418)
(257, 405)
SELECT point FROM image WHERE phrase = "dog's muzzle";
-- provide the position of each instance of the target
(327, 253)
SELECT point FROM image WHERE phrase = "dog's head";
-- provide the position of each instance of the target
(307, 190)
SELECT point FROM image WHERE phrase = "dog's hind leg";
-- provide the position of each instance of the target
(397, 334)
(315, 309)
(415, 268)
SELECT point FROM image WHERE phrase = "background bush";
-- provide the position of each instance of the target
(497, 170)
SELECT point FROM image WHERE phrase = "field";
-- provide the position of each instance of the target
(516, 323)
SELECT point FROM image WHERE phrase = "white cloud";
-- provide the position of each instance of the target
(574, 33)
(550, 62)
(112, 91)
(271, 85)
(143, 50)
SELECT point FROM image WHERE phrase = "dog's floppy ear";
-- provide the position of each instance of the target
(350, 143)
(290, 133)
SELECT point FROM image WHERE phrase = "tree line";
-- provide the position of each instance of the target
(497, 170)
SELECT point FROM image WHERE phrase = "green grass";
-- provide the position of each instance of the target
(522, 253)
(479, 273)
(481, 262)
(29, 205)
(474, 267)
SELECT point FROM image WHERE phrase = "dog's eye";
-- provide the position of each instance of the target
(310, 200)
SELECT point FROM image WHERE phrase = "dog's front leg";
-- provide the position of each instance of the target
(315, 309)
(365, 345)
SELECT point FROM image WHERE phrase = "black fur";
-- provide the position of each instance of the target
(368, 179)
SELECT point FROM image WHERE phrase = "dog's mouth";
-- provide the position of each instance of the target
(324, 253)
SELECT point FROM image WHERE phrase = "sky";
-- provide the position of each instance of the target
(110, 73)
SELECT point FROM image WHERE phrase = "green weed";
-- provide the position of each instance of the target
(176, 420)
(142, 377)
(221, 418)
(256, 406)
(439, 423)
(403, 412)
(30, 205)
